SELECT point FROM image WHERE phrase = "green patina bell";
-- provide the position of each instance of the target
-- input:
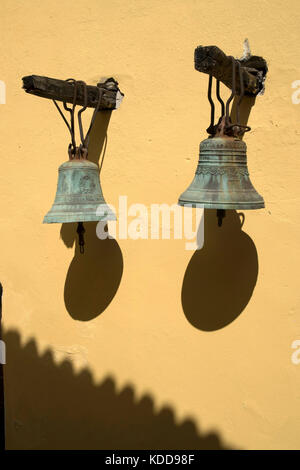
(222, 178)
(79, 194)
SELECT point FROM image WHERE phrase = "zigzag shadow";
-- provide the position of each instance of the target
(50, 406)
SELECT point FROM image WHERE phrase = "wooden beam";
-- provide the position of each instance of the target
(211, 60)
(61, 90)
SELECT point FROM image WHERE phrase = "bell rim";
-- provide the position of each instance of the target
(225, 205)
(62, 217)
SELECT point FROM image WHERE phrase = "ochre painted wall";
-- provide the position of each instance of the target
(143, 344)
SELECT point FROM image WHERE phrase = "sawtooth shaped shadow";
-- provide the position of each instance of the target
(93, 277)
(220, 278)
(50, 406)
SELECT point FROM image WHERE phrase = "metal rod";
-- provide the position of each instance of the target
(83, 148)
(71, 126)
(219, 98)
(85, 95)
(212, 113)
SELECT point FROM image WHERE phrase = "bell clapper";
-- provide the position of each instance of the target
(80, 231)
(221, 213)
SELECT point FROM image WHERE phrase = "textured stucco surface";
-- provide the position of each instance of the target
(237, 382)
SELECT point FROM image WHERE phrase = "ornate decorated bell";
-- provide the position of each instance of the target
(79, 196)
(222, 178)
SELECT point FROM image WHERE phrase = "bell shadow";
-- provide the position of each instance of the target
(94, 277)
(245, 109)
(220, 278)
(98, 138)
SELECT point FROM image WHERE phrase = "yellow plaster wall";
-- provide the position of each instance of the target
(101, 350)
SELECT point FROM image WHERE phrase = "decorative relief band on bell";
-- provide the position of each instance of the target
(219, 170)
(217, 144)
(222, 178)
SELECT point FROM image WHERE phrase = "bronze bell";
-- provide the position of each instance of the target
(222, 178)
(78, 194)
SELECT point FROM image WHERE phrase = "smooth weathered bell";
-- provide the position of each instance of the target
(78, 194)
(222, 178)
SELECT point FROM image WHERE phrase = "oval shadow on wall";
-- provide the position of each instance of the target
(220, 278)
(93, 277)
